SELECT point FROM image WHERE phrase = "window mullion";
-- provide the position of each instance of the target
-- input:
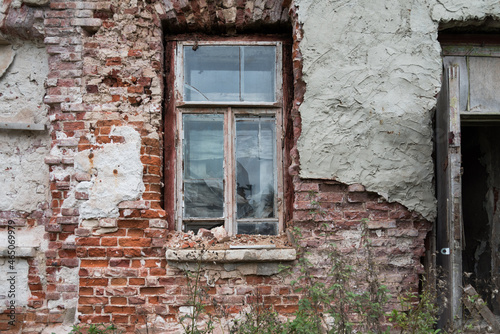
(180, 173)
(279, 163)
(229, 171)
(242, 71)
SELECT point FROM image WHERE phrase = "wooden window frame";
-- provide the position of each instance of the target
(176, 107)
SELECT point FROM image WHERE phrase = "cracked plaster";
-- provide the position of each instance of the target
(372, 77)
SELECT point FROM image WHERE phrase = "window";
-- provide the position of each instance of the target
(228, 110)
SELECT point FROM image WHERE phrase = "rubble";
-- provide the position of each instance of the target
(217, 239)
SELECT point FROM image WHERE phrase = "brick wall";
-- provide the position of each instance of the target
(106, 72)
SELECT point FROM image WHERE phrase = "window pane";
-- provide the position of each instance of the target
(195, 226)
(230, 73)
(203, 158)
(255, 167)
(483, 83)
(211, 73)
(259, 67)
(264, 228)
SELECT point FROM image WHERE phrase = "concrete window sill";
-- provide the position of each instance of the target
(23, 126)
(20, 252)
(232, 255)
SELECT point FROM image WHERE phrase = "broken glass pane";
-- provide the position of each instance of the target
(203, 157)
(255, 167)
(211, 73)
(195, 226)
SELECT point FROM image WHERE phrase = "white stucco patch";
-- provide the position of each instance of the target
(14, 288)
(117, 175)
(24, 181)
(25, 176)
(373, 69)
(22, 85)
(14, 266)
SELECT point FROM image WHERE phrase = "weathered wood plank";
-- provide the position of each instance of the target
(476, 304)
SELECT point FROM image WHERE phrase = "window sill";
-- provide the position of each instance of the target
(231, 255)
(23, 126)
(20, 252)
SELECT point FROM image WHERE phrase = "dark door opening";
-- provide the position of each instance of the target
(481, 211)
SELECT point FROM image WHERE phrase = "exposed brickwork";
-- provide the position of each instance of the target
(228, 16)
(326, 210)
(106, 72)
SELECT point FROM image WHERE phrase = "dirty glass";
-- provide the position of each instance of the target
(263, 228)
(258, 73)
(483, 84)
(255, 167)
(211, 73)
(203, 157)
(229, 73)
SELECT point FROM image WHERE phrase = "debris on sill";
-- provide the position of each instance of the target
(217, 239)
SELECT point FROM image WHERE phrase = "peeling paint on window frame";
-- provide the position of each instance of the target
(177, 107)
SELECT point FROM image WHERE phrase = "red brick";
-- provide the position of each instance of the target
(134, 53)
(67, 253)
(109, 122)
(134, 242)
(152, 291)
(138, 233)
(264, 290)
(151, 160)
(135, 89)
(118, 281)
(71, 263)
(286, 309)
(93, 300)
(93, 281)
(119, 309)
(157, 272)
(88, 241)
(109, 241)
(117, 301)
(86, 309)
(113, 61)
(119, 319)
(114, 252)
(352, 215)
(94, 263)
(85, 291)
(96, 252)
(137, 281)
(95, 319)
(132, 252)
(133, 223)
(124, 263)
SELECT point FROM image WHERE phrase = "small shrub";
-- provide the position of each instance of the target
(418, 314)
(260, 319)
(191, 322)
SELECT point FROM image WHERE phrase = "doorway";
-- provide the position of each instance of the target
(468, 173)
(480, 211)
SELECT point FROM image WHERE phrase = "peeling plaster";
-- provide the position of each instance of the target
(34, 238)
(372, 78)
(25, 177)
(116, 171)
(22, 85)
